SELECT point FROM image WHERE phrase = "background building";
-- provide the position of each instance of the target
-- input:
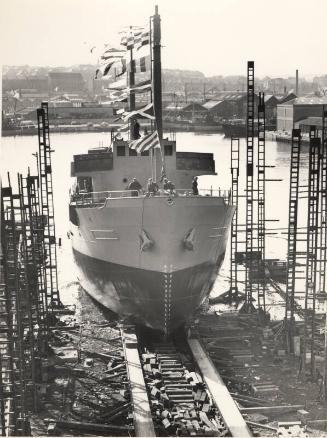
(66, 82)
(191, 111)
(301, 108)
(229, 105)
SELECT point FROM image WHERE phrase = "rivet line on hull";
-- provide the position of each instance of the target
(165, 301)
(167, 298)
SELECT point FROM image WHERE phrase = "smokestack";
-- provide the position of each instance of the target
(297, 82)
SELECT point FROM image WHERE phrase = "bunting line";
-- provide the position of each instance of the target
(144, 86)
(141, 112)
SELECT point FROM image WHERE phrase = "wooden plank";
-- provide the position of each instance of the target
(104, 356)
(95, 427)
(271, 409)
(141, 408)
(220, 394)
(261, 426)
(317, 421)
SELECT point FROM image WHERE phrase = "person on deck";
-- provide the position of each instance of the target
(135, 186)
(136, 130)
(171, 187)
(152, 187)
(166, 186)
(195, 186)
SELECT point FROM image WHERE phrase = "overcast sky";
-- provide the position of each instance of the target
(216, 37)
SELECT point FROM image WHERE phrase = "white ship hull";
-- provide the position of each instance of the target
(155, 258)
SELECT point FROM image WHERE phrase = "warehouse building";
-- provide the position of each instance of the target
(68, 82)
(291, 112)
(190, 111)
(229, 104)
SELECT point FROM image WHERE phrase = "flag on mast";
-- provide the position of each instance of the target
(135, 37)
(142, 39)
(146, 143)
(113, 54)
(109, 58)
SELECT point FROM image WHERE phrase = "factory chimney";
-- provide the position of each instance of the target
(297, 82)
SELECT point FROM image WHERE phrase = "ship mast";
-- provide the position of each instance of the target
(132, 93)
(131, 81)
(157, 99)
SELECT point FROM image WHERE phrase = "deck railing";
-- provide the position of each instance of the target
(99, 198)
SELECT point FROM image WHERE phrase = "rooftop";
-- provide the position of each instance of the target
(211, 104)
(311, 121)
(269, 97)
(312, 100)
(230, 95)
(188, 106)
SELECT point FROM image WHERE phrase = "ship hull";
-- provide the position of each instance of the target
(194, 127)
(160, 300)
(233, 130)
(152, 258)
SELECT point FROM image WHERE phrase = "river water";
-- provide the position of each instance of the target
(17, 156)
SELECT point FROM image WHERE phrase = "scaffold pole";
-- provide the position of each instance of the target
(235, 164)
(292, 237)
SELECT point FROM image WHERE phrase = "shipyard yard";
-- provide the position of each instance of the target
(163, 233)
(86, 387)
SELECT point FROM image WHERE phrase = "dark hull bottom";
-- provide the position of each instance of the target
(192, 127)
(236, 131)
(158, 300)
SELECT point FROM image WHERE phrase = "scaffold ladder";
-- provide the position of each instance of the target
(7, 390)
(2, 401)
(235, 170)
(25, 292)
(35, 235)
(322, 261)
(248, 305)
(32, 319)
(46, 190)
(261, 191)
(312, 250)
(21, 314)
(12, 330)
(292, 236)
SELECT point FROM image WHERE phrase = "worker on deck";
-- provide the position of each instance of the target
(136, 130)
(195, 186)
(152, 187)
(135, 186)
(166, 186)
(169, 186)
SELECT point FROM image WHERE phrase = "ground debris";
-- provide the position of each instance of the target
(257, 371)
(87, 388)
